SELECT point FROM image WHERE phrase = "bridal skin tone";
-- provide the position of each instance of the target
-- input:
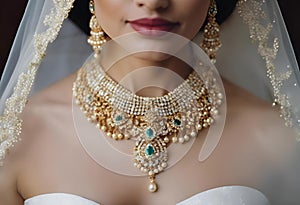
(50, 158)
(149, 18)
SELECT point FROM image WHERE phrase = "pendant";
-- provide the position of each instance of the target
(150, 156)
(152, 186)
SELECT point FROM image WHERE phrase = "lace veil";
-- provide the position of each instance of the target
(47, 48)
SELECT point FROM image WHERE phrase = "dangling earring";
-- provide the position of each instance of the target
(211, 42)
(97, 37)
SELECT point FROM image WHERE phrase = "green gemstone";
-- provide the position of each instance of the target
(149, 150)
(149, 133)
(119, 118)
(89, 98)
(212, 11)
(92, 7)
(177, 122)
(208, 99)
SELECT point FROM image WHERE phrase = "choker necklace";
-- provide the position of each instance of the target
(152, 122)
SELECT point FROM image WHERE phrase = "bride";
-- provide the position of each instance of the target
(147, 119)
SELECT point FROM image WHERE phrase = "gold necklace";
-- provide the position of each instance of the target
(153, 122)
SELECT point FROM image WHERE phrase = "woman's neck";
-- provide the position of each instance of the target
(146, 74)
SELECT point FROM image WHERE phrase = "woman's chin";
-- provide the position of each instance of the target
(152, 56)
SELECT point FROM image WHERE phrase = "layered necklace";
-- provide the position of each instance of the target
(152, 122)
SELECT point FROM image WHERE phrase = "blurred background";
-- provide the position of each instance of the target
(11, 14)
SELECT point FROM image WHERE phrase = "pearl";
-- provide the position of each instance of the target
(120, 136)
(164, 164)
(181, 140)
(215, 112)
(199, 127)
(210, 121)
(194, 134)
(126, 136)
(220, 95)
(186, 138)
(104, 128)
(115, 136)
(152, 187)
(174, 139)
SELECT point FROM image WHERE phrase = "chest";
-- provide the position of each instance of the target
(60, 163)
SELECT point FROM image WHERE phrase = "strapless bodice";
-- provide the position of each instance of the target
(227, 195)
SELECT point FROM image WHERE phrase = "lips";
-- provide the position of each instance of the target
(152, 26)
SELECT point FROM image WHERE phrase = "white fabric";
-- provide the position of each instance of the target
(228, 195)
(58, 198)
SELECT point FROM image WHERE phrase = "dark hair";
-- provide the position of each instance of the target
(81, 15)
(225, 8)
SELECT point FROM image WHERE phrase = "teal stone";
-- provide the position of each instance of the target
(89, 98)
(212, 11)
(208, 99)
(149, 133)
(92, 7)
(149, 150)
(119, 118)
(177, 122)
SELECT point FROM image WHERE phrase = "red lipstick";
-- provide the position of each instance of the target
(152, 26)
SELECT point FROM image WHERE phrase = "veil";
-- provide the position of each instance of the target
(48, 48)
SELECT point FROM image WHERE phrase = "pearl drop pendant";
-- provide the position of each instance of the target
(152, 186)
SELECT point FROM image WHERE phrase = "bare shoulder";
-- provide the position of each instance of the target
(48, 102)
(257, 123)
(45, 110)
(47, 114)
(58, 93)
(39, 116)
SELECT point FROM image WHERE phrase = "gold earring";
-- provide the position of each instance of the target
(97, 37)
(211, 42)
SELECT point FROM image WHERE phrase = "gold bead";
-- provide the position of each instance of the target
(120, 136)
(114, 136)
(103, 128)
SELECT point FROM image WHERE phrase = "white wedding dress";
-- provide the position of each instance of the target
(227, 195)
